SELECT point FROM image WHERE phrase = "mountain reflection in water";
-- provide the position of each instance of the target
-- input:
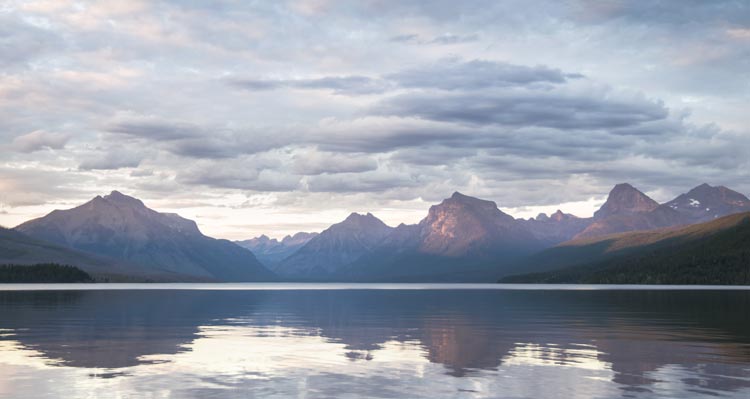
(374, 343)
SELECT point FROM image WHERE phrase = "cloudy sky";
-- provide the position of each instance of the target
(275, 117)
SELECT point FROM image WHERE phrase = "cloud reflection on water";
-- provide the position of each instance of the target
(374, 343)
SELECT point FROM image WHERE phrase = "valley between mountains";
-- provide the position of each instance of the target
(700, 237)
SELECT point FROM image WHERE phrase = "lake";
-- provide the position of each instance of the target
(380, 340)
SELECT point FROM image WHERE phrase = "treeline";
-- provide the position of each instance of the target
(723, 270)
(723, 259)
(43, 273)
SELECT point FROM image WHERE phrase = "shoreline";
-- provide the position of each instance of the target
(359, 286)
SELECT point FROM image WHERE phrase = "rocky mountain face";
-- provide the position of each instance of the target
(323, 256)
(628, 209)
(625, 199)
(704, 203)
(271, 251)
(122, 227)
(467, 226)
(556, 228)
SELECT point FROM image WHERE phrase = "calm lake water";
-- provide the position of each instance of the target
(388, 341)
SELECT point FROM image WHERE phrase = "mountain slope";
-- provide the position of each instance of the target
(460, 240)
(324, 256)
(716, 252)
(628, 209)
(271, 251)
(122, 227)
(19, 249)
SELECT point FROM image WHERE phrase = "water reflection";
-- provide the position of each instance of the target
(404, 343)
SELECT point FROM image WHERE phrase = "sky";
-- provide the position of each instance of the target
(284, 116)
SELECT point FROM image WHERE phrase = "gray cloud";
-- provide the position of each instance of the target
(404, 38)
(549, 109)
(382, 135)
(195, 141)
(433, 155)
(209, 147)
(21, 42)
(446, 38)
(344, 85)
(676, 15)
(383, 104)
(316, 163)
(259, 85)
(40, 140)
(244, 179)
(449, 38)
(350, 85)
(154, 129)
(452, 74)
(112, 160)
(142, 173)
(447, 74)
(373, 181)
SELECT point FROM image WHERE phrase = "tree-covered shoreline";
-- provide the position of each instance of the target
(43, 273)
(714, 253)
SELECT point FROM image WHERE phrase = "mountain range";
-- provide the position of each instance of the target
(460, 239)
(555, 228)
(468, 239)
(271, 251)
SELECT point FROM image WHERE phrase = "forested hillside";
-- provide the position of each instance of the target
(717, 252)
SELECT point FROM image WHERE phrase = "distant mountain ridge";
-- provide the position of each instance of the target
(271, 251)
(122, 227)
(556, 228)
(324, 255)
